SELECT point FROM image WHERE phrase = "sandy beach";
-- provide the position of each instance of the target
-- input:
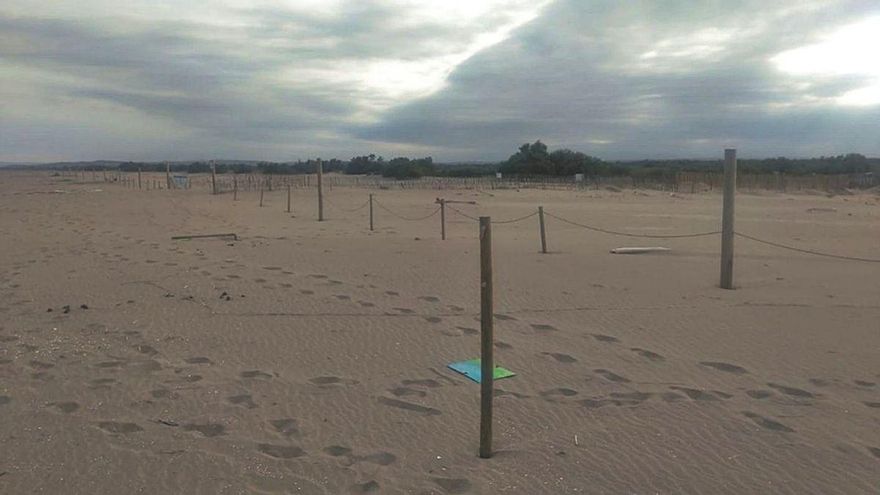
(311, 357)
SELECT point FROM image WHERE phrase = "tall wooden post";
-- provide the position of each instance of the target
(543, 230)
(235, 187)
(139, 178)
(443, 219)
(213, 177)
(261, 194)
(371, 212)
(727, 219)
(320, 191)
(167, 175)
(487, 360)
(288, 198)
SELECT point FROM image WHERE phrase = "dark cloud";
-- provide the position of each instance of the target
(578, 77)
(618, 79)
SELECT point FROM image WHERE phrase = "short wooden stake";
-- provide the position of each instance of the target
(235, 188)
(167, 175)
(213, 177)
(543, 230)
(487, 360)
(320, 191)
(288, 198)
(261, 194)
(371, 212)
(139, 178)
(443, 219)
(727, 219)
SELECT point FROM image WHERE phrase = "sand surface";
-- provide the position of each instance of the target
(311, 357)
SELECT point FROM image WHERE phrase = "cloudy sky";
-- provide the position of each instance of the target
(454, 79)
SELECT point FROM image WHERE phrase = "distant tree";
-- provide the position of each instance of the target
(533, 159)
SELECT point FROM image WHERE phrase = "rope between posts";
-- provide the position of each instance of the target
(462, 213)
(380, 205)
(520, 219)
(627, 234)
(348, 210)
(806, 251)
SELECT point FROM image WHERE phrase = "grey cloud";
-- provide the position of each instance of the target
(576, 76)
(572, 78)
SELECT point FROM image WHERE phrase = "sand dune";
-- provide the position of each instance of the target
(311, 357)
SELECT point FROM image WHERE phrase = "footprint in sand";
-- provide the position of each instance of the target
(606, 338)
(255, 374)
(543, 327)
(325, 381)
(562, 358)
(404, 310)
(337, 451)
(874, 451)
(696, 394)
(453, 486)
(611, 376)
(343, 297)
(433, 319)
(162, 393)
(208, 429)
(504, 317)
(65, 407)
(863, 383)
(767, 423)
(280, 451)
(5, 399)
(146, 349)
(366, 304)
(468, 330)
(286, 426)
(652, 356)
(119, 428)
(306, 292)
(759, 394)
(371, 486)
(501, 345)
(792, 391)
(407, 392)
(432, 299)
(392, 293)
(197, 360)
(242, 400)
(408, 406)
(498, 392)
(873, 405)
(559, 392)
(725, 367)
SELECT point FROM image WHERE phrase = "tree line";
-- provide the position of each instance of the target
(530, 160)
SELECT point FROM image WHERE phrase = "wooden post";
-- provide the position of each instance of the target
(213, 177)
(443, 219)
(487, 361)
(235, 187)
(727, 218)
(261, 194)
(320, 191)
(371, 212)
(543, 231)
(288, 198)
(139, 178)
(167, 175)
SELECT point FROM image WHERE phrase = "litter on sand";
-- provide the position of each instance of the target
(471, 369)
(639, 250)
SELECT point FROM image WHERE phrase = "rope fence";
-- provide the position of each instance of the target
(255, 182)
